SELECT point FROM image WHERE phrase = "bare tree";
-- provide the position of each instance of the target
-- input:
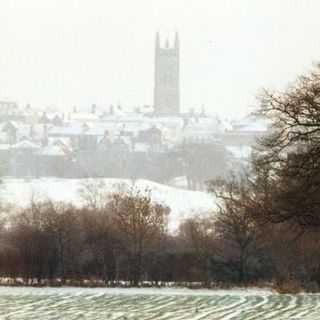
(198, 235)
(292, 152)
(140, 221)
(238, 246)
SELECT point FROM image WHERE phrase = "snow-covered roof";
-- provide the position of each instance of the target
(251, 124)
(4, 146)
(95, 131)
(83, 116)
(25, 144)
(51, 151)
(16, 124)
(240, 152)
(59, 140)
(141, 147)
(66, 131)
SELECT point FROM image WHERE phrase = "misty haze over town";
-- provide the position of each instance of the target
(155, 140)
(159, 159)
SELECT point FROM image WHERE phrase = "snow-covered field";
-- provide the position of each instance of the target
(141, 304)
(182, 202)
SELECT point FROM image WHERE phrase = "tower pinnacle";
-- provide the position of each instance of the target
(157, 40)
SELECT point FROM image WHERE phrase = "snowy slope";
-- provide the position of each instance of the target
(182, 202)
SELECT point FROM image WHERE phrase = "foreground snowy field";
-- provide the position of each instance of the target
(141, 304)
(182, 202)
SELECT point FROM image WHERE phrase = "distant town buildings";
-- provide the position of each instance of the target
(159, 143)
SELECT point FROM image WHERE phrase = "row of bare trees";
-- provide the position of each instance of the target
(124, 237)
(108, 242)
(114, 239)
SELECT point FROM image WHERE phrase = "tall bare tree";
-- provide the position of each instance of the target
(292, 151)
(140, 221)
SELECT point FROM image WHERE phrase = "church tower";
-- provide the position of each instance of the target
(167, 82)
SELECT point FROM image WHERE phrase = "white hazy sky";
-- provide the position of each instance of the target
(66, 52)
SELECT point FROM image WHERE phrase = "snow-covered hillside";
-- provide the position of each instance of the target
(182, 202)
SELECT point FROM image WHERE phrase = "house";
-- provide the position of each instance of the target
(151, 137)
(22, 158)
(52, 160)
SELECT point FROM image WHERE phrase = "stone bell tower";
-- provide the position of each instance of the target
(166, 78)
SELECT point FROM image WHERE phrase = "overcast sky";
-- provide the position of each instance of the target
(66, 52)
